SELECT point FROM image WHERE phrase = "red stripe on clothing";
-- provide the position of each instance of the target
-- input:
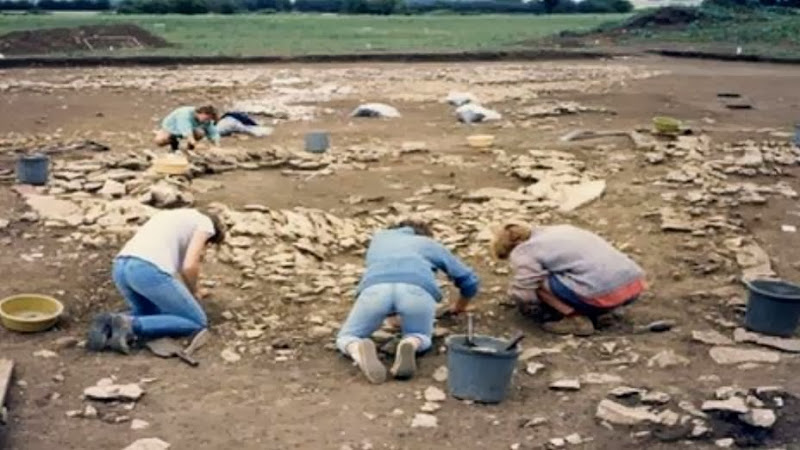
(619, 295)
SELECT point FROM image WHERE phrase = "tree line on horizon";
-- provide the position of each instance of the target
(378, 7)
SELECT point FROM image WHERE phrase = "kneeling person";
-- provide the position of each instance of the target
(190, 123)
(156, 272)
(400, 279)
(574, 271)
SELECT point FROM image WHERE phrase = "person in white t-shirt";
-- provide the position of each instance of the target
(156, 272)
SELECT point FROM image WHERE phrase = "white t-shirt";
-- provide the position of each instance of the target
(163, 239)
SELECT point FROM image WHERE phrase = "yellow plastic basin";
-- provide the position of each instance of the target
(667, 125)
(29, 313)
(480, 140)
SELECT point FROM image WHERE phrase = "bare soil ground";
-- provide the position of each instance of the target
(86, 38)
(317, 400)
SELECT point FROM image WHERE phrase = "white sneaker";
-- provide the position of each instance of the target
(405, 360)
(368, 361)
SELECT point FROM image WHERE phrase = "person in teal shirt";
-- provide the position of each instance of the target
(190, 123)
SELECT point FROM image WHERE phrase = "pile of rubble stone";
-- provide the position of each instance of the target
(743, 413)
(700, 188)
(112, 194)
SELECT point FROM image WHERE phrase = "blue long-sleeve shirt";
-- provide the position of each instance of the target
(401, 256)
(183, 121)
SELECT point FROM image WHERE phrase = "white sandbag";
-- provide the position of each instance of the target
(376, 110)
(471, 113)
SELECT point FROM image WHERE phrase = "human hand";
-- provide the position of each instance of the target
(459, 306)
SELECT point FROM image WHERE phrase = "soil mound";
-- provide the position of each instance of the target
(670, 16)
(86, 38)
(666, 18)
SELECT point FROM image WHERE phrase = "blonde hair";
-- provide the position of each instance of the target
(507, 237)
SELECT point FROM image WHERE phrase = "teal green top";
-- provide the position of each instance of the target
(183, 121)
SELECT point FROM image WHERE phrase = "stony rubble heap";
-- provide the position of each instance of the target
(299, 251)
(753, 410)
(276, 245)
(560, 180)
(703, 183)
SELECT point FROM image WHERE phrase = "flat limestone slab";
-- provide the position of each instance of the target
(6, 369)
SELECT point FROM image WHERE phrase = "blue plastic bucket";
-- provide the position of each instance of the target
(33, 169)
(318, 141)
(773, 307)
(481, 373)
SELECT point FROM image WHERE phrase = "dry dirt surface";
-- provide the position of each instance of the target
(78, 39)
(698, 212)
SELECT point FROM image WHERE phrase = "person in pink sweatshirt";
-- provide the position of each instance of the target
(574, 271)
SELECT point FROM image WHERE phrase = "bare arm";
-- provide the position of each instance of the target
(190, 270)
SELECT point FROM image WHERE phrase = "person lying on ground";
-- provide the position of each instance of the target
(156, 272)
(190, 123)
(400, 279)
(575, 272)
(233, 122)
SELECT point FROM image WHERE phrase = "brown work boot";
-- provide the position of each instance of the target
(575, 325)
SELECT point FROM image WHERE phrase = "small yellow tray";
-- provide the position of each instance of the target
(480, 140)
(171, 165)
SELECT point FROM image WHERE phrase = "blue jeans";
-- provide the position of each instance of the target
(566, 295)
(160, 304)
(413, 304)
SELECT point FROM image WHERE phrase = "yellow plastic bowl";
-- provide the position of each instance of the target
(480, 140)
(171, 165)
(667, 125)
(29, 313)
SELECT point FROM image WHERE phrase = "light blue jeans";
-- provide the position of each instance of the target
(413, 304)
(160, 304)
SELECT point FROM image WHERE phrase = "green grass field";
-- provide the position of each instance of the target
(296, 34)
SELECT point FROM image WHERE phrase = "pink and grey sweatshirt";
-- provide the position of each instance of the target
(581, 260)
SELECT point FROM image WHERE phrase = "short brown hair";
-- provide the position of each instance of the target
(507, 238)
(219, 229)
(208, 109)
(421, 228)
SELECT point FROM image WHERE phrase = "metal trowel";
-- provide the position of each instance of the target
(169, 348)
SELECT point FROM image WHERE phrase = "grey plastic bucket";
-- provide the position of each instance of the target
(481, 373)
(773, 307)
(797, 134)
(318, 141)
(33, 169)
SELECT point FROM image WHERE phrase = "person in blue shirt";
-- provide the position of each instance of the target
(400, 278)
(190, 123)
(233, 122)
